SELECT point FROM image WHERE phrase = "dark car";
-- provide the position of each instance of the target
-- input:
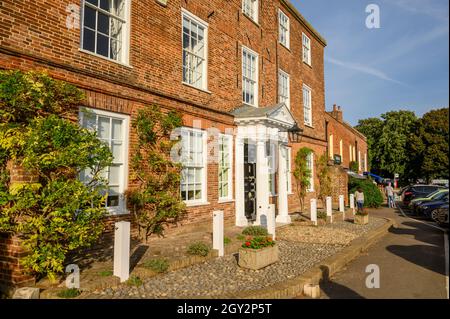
(416, 191)
(438, 195)
(442, 215)
(430, 209)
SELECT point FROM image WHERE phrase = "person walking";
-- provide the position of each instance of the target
(359, 196)
(390, 196)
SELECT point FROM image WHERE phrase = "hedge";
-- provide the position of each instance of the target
(372, 195)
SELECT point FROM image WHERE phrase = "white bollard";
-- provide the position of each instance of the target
(352, 203)
(218, 230)
(314, 211)
(122, 250)
(341, 204)
(271, 221)
(330, 208)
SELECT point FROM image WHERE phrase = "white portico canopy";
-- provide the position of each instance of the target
(261, 125)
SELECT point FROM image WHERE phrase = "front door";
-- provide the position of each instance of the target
(250, 181)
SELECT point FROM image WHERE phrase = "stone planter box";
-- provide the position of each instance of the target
(256, 259)
(361, 219)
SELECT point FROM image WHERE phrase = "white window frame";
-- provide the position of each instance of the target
(341, 150)
(126, 32)
(229, 140)
(306, 45)
(365, 162)
(310, 123)
(350, 150)
(359, 161)
(272, 167)
(281, 97)
(331, 146)
(254, 7)
(310, 164)
(204, 81)
(204, 177)
(284, 29)
(245, 79)
(123, 179)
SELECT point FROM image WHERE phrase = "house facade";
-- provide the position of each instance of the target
(245, 75)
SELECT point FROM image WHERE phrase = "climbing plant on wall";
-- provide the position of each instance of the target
(302, 174)
(156, 201)
(324, 176)
(56, 214)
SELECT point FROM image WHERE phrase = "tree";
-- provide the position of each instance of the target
(433, 132)
(302, 174)
(372, 129)
(324, 176)
(156, 202)
(58, 214)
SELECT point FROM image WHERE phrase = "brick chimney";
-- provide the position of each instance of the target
(337, 113)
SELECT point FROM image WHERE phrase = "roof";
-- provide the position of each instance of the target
(278, 114)
(246, 111)
(305, 22)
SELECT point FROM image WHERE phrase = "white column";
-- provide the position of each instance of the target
(283, 209)
(241, 220)
(262, 176)
(218, 232)
(314, 211)
(122, 250)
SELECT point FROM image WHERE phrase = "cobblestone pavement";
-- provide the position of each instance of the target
(221, 276)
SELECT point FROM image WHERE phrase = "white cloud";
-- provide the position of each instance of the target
(363, 69)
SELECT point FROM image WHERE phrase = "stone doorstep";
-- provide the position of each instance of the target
(294, 287)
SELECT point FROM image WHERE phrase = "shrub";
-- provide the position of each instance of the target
(106, 273)
(258, 242)
(198, 249)
(372, 195)
(135, 281)
(69, 293)
(354, 167)
(226, 241)
(157, 265)
(322, 215)
(255, 231)
(240, 237)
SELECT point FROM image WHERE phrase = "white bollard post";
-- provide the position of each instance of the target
(342, 206)
(122, 250)
(218, 230)
(271, 221)
(314, 211)
(330, 208)
(352, 203)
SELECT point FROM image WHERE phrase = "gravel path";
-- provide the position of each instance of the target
(220, 276)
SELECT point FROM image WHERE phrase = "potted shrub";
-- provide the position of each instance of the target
(361, 218)
(258, 252)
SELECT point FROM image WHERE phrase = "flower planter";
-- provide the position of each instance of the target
(256, 259)
(361, 219)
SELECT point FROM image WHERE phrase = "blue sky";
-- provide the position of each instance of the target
(402, 65)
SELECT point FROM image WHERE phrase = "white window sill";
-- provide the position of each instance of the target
(113, 212)
(251, 19)
(197, 88)
(309, 125)
(225, 201)
(196, 204)
(285, 46)
(105, 58)
(308, 64)
(251, 105)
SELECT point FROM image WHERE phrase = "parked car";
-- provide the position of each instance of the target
(416, 191)
(441, 216)
(435, 196)
(430, 209)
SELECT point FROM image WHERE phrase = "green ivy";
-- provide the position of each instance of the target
(58, 214)
(302, 173)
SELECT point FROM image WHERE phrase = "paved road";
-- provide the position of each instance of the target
(411, 258)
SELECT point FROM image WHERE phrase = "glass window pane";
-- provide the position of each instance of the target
(114, 175)
(117, 129)
(102, 45)
(89, 121)
(105, 4)
(117, 151)
(89, 17)
(94, 2)
(89, 40)
(103, 23)
(104, 127)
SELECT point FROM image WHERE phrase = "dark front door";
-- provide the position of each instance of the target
(250, 180)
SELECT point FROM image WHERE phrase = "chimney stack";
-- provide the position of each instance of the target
(337, 113)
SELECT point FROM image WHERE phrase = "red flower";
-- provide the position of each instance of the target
(247, 244)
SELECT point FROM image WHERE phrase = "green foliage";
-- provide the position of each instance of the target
(106, 273)
(322, 215)
(25, 96)
(69, 293)
(198, 249)
(135, 281)
(302, 173)
(255, 231)
(156, 202)
(240, 237)
(226, 240)
(58, 214)
(372, 129)
(354, 166)
(157, 265)
(372, 195)
(258, 242)
(324, 176)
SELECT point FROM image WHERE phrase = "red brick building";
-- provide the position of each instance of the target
(247, 69)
